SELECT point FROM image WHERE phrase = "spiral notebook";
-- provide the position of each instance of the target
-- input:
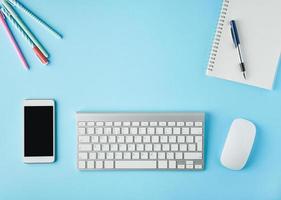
(259, 28)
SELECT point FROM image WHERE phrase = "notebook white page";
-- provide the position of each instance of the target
(259, 28)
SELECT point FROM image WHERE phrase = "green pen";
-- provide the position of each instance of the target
(24, 27)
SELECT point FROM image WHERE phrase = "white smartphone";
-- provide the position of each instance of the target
(39, 131)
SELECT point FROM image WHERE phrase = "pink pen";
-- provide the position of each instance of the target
(13, 41)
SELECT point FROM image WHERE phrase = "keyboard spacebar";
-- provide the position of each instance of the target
(134, 164)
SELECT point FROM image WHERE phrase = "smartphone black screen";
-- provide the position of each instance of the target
(38, 131)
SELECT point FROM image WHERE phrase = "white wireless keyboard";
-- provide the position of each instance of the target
(140, 141)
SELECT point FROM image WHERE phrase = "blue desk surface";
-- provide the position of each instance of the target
(132, 56)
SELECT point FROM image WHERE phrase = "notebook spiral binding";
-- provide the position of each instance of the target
(218, 34)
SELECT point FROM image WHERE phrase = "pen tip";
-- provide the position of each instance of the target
(244, 75)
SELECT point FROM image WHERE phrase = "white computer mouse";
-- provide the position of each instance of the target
(238, 144)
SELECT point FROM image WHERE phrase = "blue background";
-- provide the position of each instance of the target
(130, 55)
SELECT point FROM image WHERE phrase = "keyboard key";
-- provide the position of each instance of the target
(181, 139)
(185, 131)
(134, 130)
(189, 166)
(109, 155)
(189, 123)
(176, 131)
(122, 147)
(127, 155)
(130, 164)
(93, 155)
(148, 147)
(97, 147)
(105, 147)
(103, 139)
(153, 124)
(99, 124)
(116, 131)
(107, 131)
(178, 155)
(113, 147)
(144, 123)
(157, 147)
(198, 166)
(90, 164)
(135, 155)
(108, 164)
(159, 130)
(131, 147)
(140, 147)
(135, 124)
(117, 123)
(170, 155)
(171, 123)
(142, 131)
(174, 147)
(168, 130)
(191, 147)
(150, 131)
(172, 139)
(146, 139)
(81, 164)
(162, 123)
(165, 147)
(163, 139)
(129, 139)
(144, 155)
(125, 130)
(161, 155)
(108, 123)
(84, 139)
(162, 164)
(85, 147)
(90, 123)
(155, 139)
(99, 131)
(101, 155)
(198, 123)
(126, 123)
(172, 164)
(112, 139)
(189, 139)
(118, 155)
(81, 131)
(180, 123)
(99, 164)
(153, 155)
(83, 156)
(196, 131)
(81, 123)
(90, 131)
(183, 147)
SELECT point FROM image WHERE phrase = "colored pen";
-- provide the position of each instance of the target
(37, 19)
(13, 41)
(37, 51)
(8, 7)
(236, 41)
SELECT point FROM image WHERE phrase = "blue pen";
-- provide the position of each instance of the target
(236, 41)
